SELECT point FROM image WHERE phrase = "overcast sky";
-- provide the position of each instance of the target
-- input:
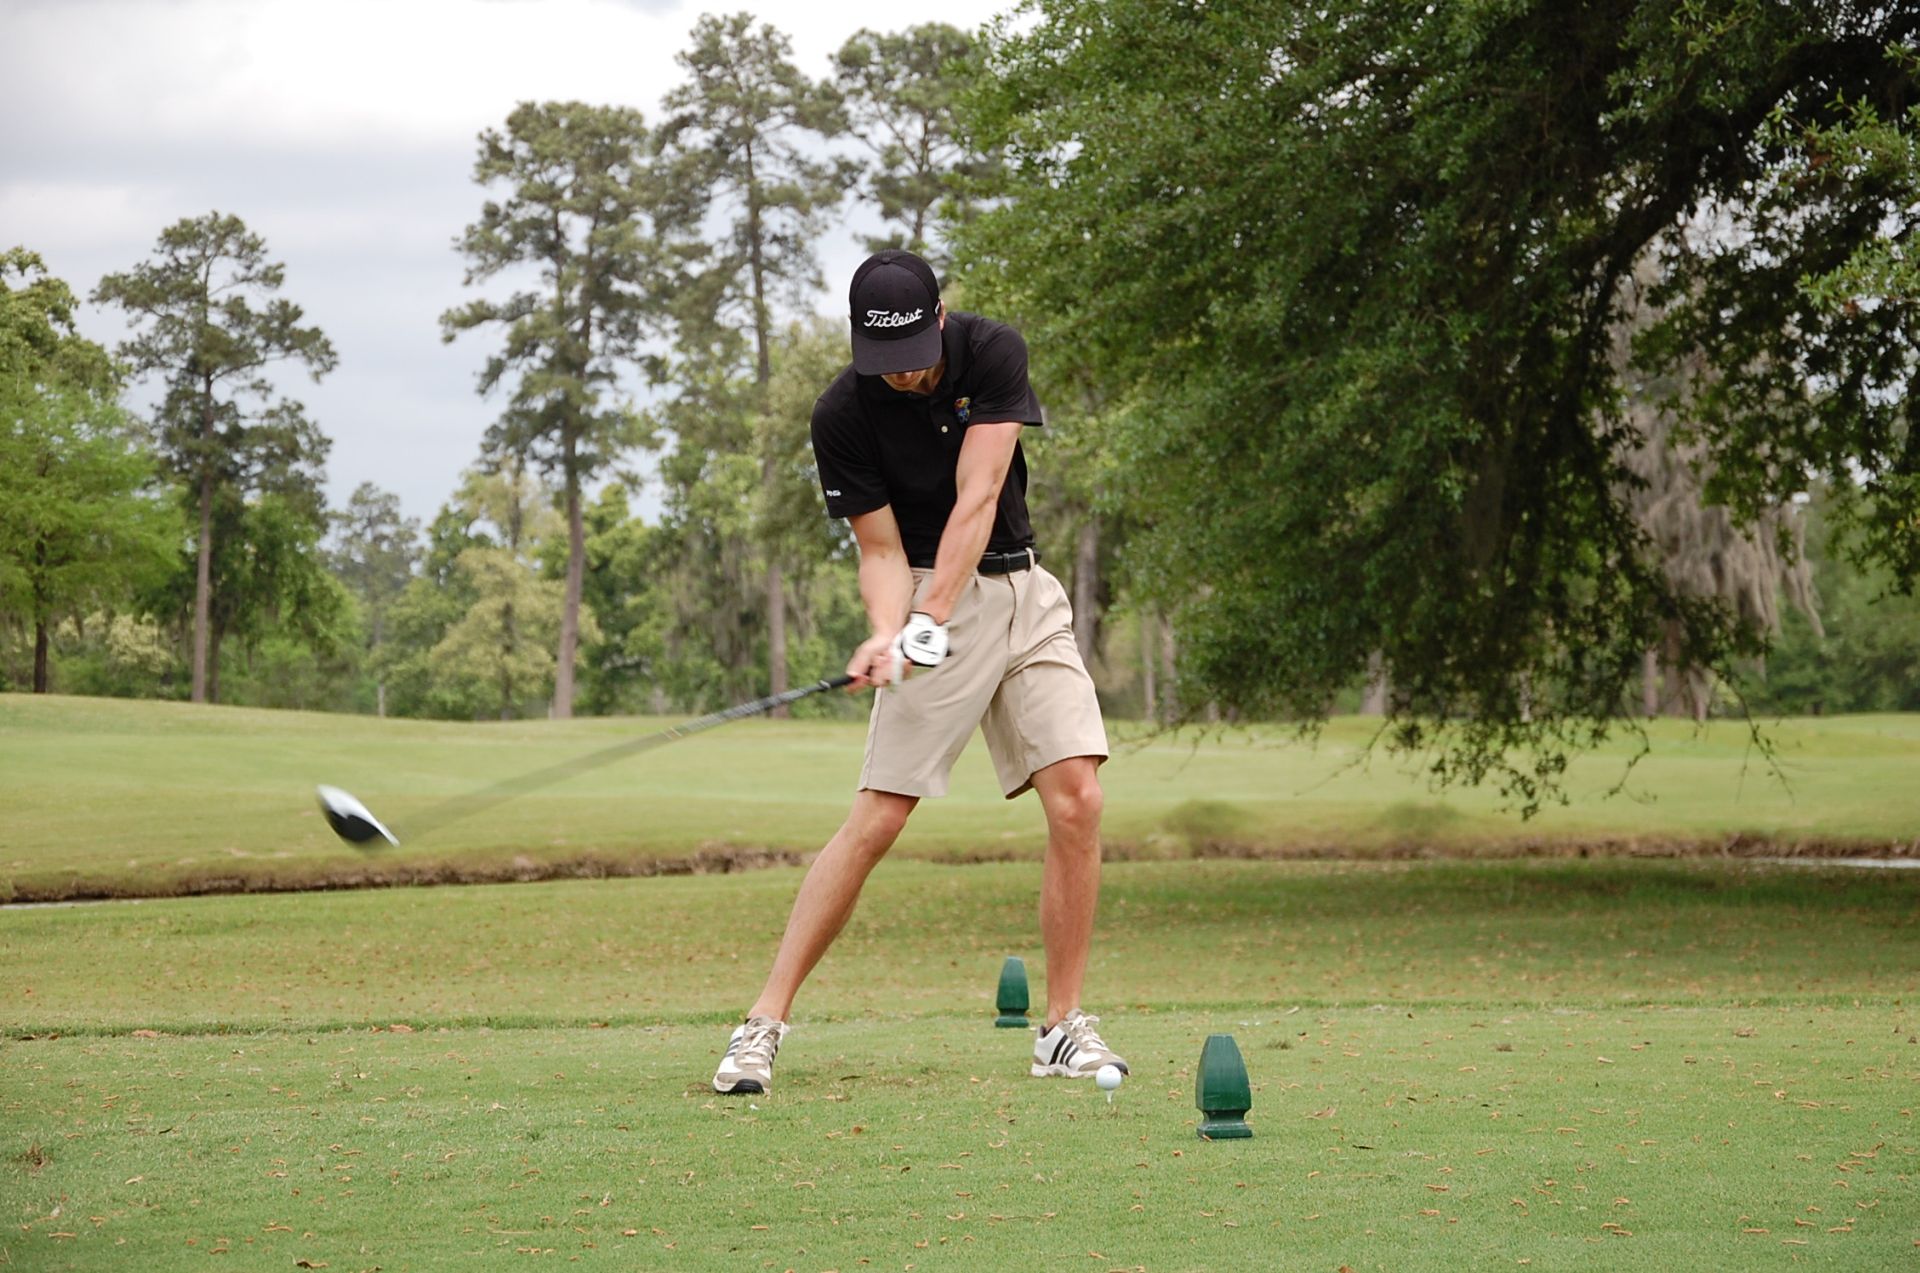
(343, 132)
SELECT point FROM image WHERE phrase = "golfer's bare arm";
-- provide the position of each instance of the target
(886, 588)
(985, 456)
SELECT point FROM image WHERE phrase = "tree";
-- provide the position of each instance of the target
(743, 502)
(375, 552)
(1863, 655)
(206, 321)
(1701, 548)
(740, 136)
(714, 579)
(80, 521)
(1355, 271)
(579, 192)
(270, 570)
(475, 633)
(791, 525)
(899, 91)
(624, 588)
(502, 644)
(287, 633)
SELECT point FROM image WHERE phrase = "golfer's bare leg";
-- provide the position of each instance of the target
(827, 894)
(1070, 881)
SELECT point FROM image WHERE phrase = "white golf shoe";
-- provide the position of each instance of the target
(1073, 1049)
(748, 1065)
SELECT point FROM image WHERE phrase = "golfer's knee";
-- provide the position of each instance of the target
(876, 822)
(1073, 810)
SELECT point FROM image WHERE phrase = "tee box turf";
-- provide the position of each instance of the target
(1012, 999)
(1221, 1090)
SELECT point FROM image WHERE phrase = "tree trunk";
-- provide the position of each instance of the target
(1650, 683)
(1149, 670)
(203, 589)
(1086, 590)
(1373, 699)
(763, 364)
(214, 639)
(379, 640)
(570, 606)
(41, 608)
(776, 594)
(506, 659)
(40, 646)
(1687, 692)
(1169, 705)
(777, 632)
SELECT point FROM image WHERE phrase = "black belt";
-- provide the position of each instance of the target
(997, 563)
(1008, 563)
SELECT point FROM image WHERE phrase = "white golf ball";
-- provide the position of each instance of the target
(1108, 1077)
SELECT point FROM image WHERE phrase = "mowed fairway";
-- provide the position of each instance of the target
(1542, 1065)
(99, 797)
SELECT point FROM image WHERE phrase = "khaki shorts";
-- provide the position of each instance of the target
(1014, 671)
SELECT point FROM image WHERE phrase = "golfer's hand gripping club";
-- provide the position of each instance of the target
(922, 643)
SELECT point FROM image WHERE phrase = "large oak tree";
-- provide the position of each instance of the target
(1354, 272)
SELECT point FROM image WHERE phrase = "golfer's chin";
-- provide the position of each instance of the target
(910, 381)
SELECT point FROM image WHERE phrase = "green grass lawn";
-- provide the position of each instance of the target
(1532, 1064)
(102, 796)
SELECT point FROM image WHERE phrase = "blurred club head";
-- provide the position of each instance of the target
(351, 820)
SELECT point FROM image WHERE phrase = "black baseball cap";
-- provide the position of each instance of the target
(895, 308)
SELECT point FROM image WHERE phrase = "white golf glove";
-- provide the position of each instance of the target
(922, 643)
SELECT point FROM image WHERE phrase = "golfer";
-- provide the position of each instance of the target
(918, 447)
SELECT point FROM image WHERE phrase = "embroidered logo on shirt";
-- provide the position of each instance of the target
(961, 409)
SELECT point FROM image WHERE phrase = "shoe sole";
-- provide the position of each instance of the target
(745, 1087)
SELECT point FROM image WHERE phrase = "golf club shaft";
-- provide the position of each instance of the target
(466, 806)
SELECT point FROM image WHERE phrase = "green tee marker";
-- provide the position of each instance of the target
(1012, 999)
(1221, 1090)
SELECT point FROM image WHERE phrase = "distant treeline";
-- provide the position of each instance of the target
(1509, 371)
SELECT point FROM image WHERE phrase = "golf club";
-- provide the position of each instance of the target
(354, 823)
(350, 819)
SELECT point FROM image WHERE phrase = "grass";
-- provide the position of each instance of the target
(1531, 1064)
(116, 798)
(1539, 1063)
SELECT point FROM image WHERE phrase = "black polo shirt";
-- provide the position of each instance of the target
(875, 446)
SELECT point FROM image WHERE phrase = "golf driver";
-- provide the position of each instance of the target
(350, 819)
(354, 823)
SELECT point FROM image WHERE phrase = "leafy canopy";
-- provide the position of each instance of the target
(1354, 270)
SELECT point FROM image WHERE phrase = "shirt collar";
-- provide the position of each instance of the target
(954, 342)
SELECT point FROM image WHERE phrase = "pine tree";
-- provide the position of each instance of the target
(207, 321)
(742, 139)
(579, 195)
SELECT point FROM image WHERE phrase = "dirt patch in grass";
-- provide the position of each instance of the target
(1739, 846)
(376, 874)
(1202, 837)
